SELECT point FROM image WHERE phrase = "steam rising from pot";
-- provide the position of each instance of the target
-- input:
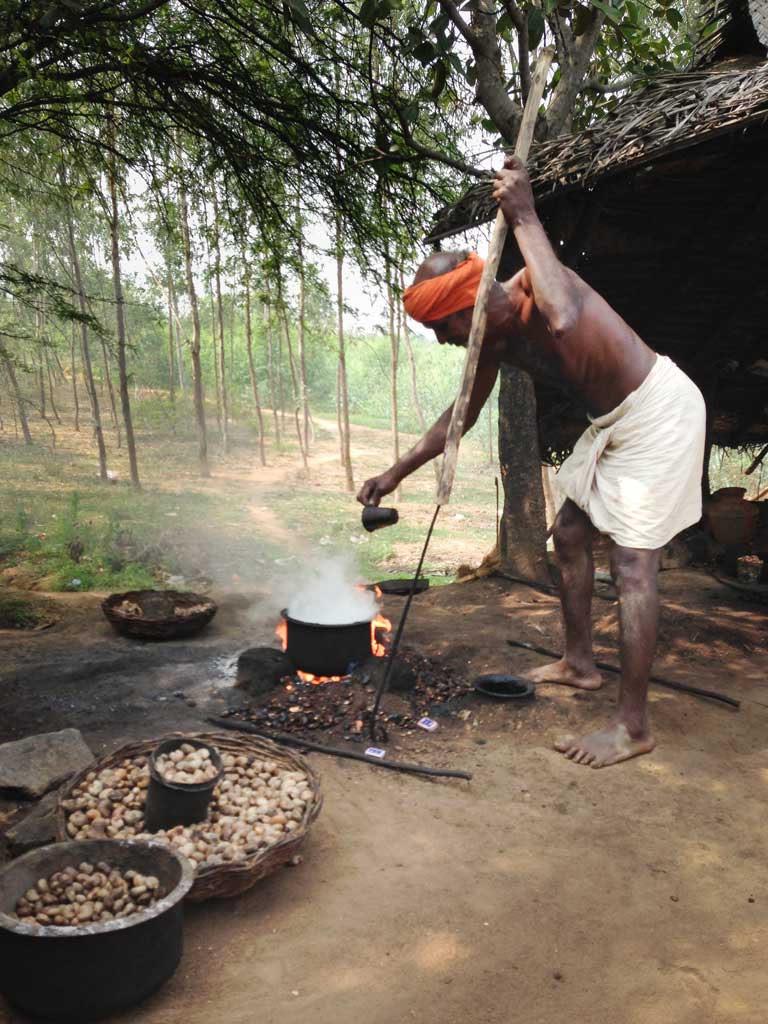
(329, 592)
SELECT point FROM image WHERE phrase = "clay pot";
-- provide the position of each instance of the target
(732, 519)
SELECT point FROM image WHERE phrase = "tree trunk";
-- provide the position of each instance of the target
(491, 89)
(41, 383)
(302, 333)
(50, 387)
(220, 311)
(40, 341)
(343, 391)
(339, 424)
(280, 376)
(58, 374)
(294, 376)
(90, 383)
(197, 372)
(74, 380)
(19, 400)
(214, 348)
(415, 392)
(111, 392)
(117, 283)
(171, 332)
(179, 349)
(395, 351)
(271, 369)
(251, 367)
(523, 527)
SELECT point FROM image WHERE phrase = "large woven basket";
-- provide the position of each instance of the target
(160, 619)
(229, 879)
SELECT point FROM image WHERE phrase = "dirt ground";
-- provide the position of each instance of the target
(539, 891)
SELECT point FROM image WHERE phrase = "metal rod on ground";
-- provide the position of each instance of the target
(545, 588)
(377, 762)
(474, 344)
(607, 667)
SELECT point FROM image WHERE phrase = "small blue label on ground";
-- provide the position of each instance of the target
(375, 752)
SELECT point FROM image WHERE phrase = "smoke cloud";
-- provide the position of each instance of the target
(327, 592)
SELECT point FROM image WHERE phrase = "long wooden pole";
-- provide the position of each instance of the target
(480, 314)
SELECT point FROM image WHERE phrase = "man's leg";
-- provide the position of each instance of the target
(634, 571)
(573, 535)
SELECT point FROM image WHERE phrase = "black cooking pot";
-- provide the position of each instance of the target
(79, 974)
(327, 650)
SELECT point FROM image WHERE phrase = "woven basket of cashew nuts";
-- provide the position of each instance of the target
(259, 816)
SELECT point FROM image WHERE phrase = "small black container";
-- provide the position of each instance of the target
(82, 973)
(499, 686)
(177, 803)
(374, 517)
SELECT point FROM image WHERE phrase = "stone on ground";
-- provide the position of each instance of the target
(260, 669)
(36, 828)
(32, 766)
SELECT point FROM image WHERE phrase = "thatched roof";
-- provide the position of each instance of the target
(675, 112)
(663, 208)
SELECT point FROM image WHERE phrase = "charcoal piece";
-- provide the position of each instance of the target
(260, 669)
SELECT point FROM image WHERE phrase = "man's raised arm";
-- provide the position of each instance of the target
(556, 290)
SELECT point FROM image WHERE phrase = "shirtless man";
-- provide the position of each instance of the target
(635, 473)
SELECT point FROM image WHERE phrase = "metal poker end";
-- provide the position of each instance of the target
(374, 518)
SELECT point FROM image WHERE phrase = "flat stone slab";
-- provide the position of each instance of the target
(32, 766)
(36, 828)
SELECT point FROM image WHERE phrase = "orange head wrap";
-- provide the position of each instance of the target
(448, 293)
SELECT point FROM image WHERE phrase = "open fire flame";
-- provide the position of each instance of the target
(378, 623)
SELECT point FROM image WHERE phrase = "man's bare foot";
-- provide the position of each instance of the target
(609, 746)
(562, 672)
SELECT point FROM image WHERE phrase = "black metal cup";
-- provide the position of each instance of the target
(374, 517)
(177, 803)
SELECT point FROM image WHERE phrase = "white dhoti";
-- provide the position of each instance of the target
(636, 471)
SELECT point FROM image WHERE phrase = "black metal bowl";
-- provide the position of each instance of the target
(403, 587)
(499, 686)
(86, 972)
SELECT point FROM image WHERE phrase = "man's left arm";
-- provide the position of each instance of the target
(556, 290)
